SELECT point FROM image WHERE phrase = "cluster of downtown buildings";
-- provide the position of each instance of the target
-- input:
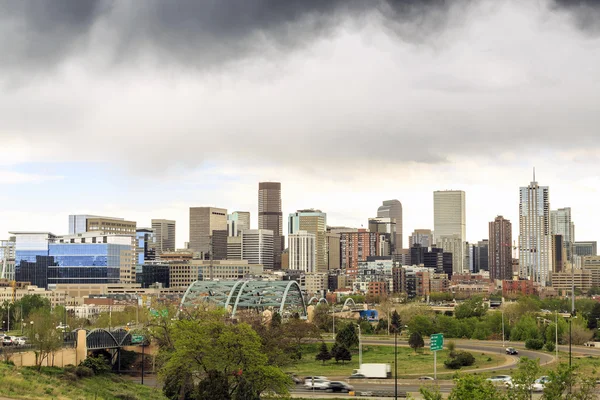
(106, 256)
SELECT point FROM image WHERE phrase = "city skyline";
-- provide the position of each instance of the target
(350, 220)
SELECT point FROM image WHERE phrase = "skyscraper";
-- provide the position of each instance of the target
(203, 222)
(164, 231)
(237, 222)
(481, 256)
(95, 223)
(315, 222)
(500, 249)
(270, 216)
(393, 209)
(535, 258)
(449, 222)
(384, 225)
(424, 237)
(561, 224)
(302, 251)
(583, 249)
(257, 247)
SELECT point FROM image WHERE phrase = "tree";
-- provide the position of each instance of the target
(525, 328)
(524, 378)
(321, 318)
(211, 351)
(422, 325)
(44, 336)
(416, 341)
(579, 334)
(565, 377)
(474, 387)
(430, 393)
(395, 323)
(347, 336)
(343, 354)
(323, 354)
(275, 321)
(473, 307)
(593, 317)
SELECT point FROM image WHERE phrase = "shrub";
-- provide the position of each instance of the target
(452, 363)
(97, 364)
(534, 344)
(465, 358)
(84, 372)
(550, 347)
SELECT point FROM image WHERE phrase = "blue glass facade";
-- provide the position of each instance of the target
(85, 262)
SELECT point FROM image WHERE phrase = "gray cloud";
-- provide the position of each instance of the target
(196, 33)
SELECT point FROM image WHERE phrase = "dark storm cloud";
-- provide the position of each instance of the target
(201, 32)
(585, 13)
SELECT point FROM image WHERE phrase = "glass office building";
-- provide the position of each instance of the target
(84, 263)
(31, 257)
(146, 245)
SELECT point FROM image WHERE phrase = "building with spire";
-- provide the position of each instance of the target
(535, 237)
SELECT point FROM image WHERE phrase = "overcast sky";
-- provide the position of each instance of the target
(143, 109)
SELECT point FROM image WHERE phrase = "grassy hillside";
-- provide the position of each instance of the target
(56, 383)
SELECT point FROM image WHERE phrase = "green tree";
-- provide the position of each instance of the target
(44, 336)
(593, 317)
(347, 336)
(579, 334)
(323, 354)
(474, 387)
(525, 328)
(395, 323)
(422, 325)
(473, 307)
(275, 321)
(382, 326)
(322, 319)
(523, 379)
(416, 341)
(431, 393)
(209, 347)
(343, 354)
(565, 377)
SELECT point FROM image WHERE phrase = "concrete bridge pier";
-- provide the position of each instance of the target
(81, 351)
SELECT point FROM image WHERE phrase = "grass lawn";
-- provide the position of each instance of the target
(26, 383)
(409, 362)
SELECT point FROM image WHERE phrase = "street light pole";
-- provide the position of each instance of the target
(359, 348)
(556, 335)
(502, 328)
(570, 339)
(396, 363)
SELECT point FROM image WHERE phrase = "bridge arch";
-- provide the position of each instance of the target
(321, 300)
(281, 296)
(349, 299)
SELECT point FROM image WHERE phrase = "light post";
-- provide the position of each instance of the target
(359, 348)
(503, 346)
(333, 315)
(555, 333)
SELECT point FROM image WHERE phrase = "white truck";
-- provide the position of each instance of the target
(380, 371)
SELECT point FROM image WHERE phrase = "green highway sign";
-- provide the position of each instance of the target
(436, 342)
(135, 339)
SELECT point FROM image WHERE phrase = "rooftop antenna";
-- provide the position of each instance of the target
(534, 174)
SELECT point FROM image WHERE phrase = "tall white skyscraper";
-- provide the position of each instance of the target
(302, 251)
(535, 259)
(449, 225)
(561, 224)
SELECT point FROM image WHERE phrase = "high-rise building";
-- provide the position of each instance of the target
(203, 222)
(424, 237)
(417, 254)
(237, 222)
(385, 225)
(302, 251)
(315, 222)
(7, 259)
(561, 224)
(234, 247)
(82, 223)
(164, 231)
(500, 249)
(333, 250)
(449, 221)
(559, 254)
(480, 256)
(535, 258)
(270, 216)
(358, 246)
(584, 249)
(453, 244)
(393, 209)
(145, 246)
(31, 257)
(257, 247)
(438, 260)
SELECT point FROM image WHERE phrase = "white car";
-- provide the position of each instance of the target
(540, 384)
(8, 340)
(502, 379)
(316, 384)
(20, 341)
